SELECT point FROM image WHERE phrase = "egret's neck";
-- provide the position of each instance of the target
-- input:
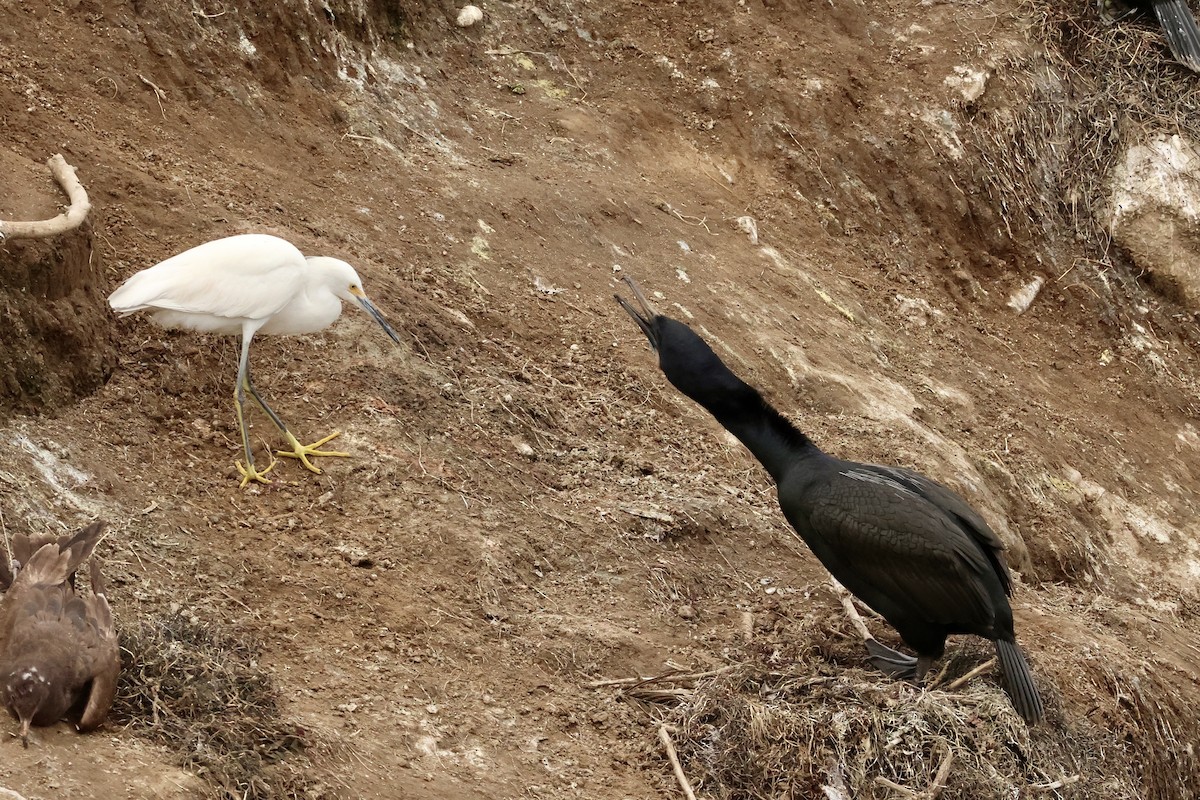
(311, 310)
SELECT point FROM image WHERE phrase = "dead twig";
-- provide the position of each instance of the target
(659, 695)
(673, 677)
(116, 89)
(904, 791)
(935, 789)
(1055, 785)
(943, 776)
(197, 11)
(512, 51)
(965, 679)
(856, 619)
(647, 513)
(746, 625)
(159, 94)
(665, 207)
(664, 736)
(72, 218)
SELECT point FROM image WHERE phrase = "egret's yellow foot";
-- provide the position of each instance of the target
(303, 451)
(251, 474)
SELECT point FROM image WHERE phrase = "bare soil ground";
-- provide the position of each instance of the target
(530, 507)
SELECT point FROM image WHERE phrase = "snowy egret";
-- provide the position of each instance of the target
(248, 284)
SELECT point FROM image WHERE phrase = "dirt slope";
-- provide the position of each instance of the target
(434, 608)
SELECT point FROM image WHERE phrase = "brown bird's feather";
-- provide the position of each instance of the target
(58, 645)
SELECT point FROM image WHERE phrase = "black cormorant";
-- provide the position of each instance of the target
(908, 547)
(1183, 36)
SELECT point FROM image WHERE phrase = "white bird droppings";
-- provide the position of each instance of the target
(1023, 298)
(469, 16)
(749, 227)
(545, 287)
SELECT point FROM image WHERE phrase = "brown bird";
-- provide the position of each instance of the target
(58, 647)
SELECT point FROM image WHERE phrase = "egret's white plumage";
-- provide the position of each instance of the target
(248, 284)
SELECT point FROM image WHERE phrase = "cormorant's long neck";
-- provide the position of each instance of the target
(742, 411)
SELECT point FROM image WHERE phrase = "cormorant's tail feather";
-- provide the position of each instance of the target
(1182, 33)
(1018, 681)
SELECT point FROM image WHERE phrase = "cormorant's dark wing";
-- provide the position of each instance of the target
(895, 548)
(958, 509)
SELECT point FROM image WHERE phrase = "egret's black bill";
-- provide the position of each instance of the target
(374, 312)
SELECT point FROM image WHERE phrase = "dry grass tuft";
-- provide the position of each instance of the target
(798, 715)
(790, 734)
(200, 691)
(1063, 113)
(791, 723)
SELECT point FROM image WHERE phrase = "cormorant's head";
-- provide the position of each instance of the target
(685, 358)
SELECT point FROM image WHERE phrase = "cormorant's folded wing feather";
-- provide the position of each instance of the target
(1183, 36)
(885, 536)
(967, 518)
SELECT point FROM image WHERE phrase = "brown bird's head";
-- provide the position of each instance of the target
(26, 689)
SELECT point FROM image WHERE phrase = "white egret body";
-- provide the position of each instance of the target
(248, 284)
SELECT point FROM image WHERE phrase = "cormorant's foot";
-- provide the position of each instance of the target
(891, 662)
(303, 451)
(251, 474)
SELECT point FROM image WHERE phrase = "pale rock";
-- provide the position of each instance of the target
(1155, 214)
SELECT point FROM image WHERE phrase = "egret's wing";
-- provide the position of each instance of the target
(251, 276)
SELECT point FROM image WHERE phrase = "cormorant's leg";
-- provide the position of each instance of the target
(248, 472)
(300, 451)
(891, 662)
(923, 665)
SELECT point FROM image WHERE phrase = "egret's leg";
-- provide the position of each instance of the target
(248, 472)
(300, 451)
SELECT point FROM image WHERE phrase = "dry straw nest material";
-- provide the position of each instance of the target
(798, 713)
(199, 690)
(791, 722)
(1064, 110)
(784, 734)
